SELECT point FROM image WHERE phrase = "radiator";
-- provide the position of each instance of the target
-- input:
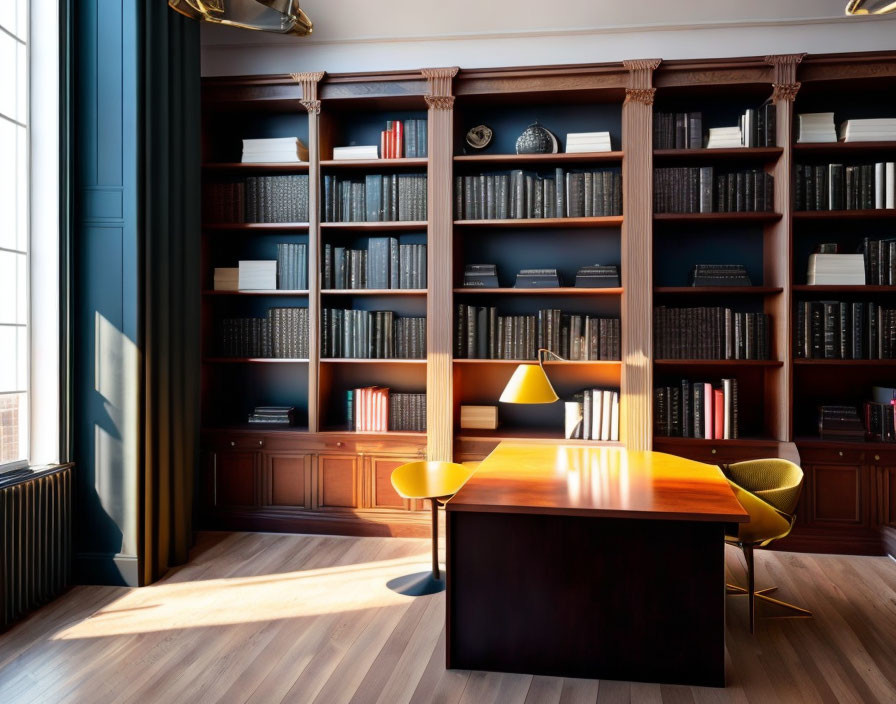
(35, 539)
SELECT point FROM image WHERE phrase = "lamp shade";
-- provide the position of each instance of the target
(279, 16)
(529, 384)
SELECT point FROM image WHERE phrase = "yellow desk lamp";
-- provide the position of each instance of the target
(530, 383)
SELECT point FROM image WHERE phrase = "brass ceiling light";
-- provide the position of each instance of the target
(280, 16)
(870, 7)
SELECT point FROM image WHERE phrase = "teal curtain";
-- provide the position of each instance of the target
(170, 173)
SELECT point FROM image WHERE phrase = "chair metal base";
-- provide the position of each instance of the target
(417, 584)
(734, 590)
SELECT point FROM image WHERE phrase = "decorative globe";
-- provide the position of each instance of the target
(536, 139)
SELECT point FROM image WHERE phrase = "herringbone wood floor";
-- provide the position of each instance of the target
(271, 618)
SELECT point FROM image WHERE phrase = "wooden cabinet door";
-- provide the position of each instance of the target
(378, 479)
(287, 480)
(837, 489)
(234, 478)
(338, 482)
(886, 491)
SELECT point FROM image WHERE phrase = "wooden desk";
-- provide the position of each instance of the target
(589, 562)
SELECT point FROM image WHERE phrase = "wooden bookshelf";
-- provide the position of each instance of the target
(319, 477)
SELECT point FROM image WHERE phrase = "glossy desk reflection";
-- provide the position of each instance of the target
(589, 562)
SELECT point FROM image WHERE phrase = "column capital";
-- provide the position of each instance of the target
(640, 95)
(641, 64)
(308, 81)
(785, 91)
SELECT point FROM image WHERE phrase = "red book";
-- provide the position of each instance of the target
(383, 136)
(707, 411)
(390, 140)
(718, 398)
(399, 140)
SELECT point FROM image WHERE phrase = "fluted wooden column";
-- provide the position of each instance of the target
(777, 267)
(440, 236)
(636, 419)
(311, 103)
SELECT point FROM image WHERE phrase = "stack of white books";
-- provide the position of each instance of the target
(278, 150)
(879, 129)
(227, 279)
(839, 269)
(367, 151)
(817, 127)
(724, 137)
(258, 275)
(581, 142)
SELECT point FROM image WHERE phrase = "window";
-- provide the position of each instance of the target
(14, 239)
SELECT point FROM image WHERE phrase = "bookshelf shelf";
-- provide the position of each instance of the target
(361, 164)
(340, 360)
(607, 221)
(373, 291)
(273, 292)
(257, 428)
(842, 288)
(561, 291)
(256, 226)
(770, 363)
(538, 159)
(269, 167)
(871, 214)
(841, 149)
(253, 360)
(719, 218)
(334, 431)
(856, 363)
(533, 434)
(718, 290)
(708, 442)
(391, 226)
(552, 362)
(755, 154)
(824, 444)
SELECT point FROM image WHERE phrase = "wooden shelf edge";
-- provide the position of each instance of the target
(575, 157)
(603, 221)
(709, 441)
(728, 153)
(271, 292)
(348, 360)
(374, 291)
(256, 166)
(868, 214)
(411, 162)
(719, 362)
(843, 288)
(750, 216)
(384, 225)
(561, 291)
(801, 362)
(716, 290)
(552, 362)
(254, 360)
(261, 226)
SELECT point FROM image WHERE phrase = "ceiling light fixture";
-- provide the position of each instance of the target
(870, 7)
(279, 16)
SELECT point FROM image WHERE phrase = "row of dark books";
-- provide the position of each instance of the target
(593, 414)
(273, 415)
(710, 333)
(684, 130)
(375, 198)
(519, 195)
(292, 266)
(844, 187)
(699, 189)
(880, 262)
(844, 330)
(282, 334)
(481, 333)
(696, 410)
(877, 422)
(377, 409)
(268, 199)
(403, 138)
(385, 264)
(371, 334)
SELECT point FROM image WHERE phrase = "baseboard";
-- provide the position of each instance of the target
(395, 524)
(105, 569)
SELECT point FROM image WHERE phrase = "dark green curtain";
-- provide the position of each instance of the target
(170, 249)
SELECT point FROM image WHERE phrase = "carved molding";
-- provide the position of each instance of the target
(447, 72)
(785, 91)
(641, 64)
(640, 95)
(308, 82)
(780, 59)
(312, 106)
(439, 102)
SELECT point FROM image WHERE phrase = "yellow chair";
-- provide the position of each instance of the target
(438, 482)
(768, 490)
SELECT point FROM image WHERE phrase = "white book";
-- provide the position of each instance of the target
(614, 418)
(890, 200)
(572, 427)
(258, 275)
(584, 148)
(272, 158)
(370, 151)
(606, 415)
(596, 410)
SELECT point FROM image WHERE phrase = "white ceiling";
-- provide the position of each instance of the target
(379, 20)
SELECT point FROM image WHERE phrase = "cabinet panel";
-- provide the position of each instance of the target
(234, 480)
(886, 481)
(337, 481)
(378, 470)
(836, 493)
(288, 480)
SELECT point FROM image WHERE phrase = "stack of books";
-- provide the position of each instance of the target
(277, 199)
(677, 130)
(273, 415)
(375, 198)
(371, 334)
(258, 275)
(278, 150)
(842, 269)
(581, 142)
(227, 279)
(385, 264)
(481, 333)
(724, 137)
(850, 187)
(364, 151)
(598, 276)
(817, 127)
(710, 333)
(292, 266)
(844, 330)
(880, 421)
(537, 278)
(720, 275)
(879, 129)
(374, 409)
(481, 276)
(840, 423)
(696, 410)
(880, 262)
(592, 415)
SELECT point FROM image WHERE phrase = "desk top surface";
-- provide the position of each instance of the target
(599, 482)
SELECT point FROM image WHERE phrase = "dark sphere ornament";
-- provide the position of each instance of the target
(480, 137)
(536, 139)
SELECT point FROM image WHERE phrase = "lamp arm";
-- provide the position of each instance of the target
(542, 358)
